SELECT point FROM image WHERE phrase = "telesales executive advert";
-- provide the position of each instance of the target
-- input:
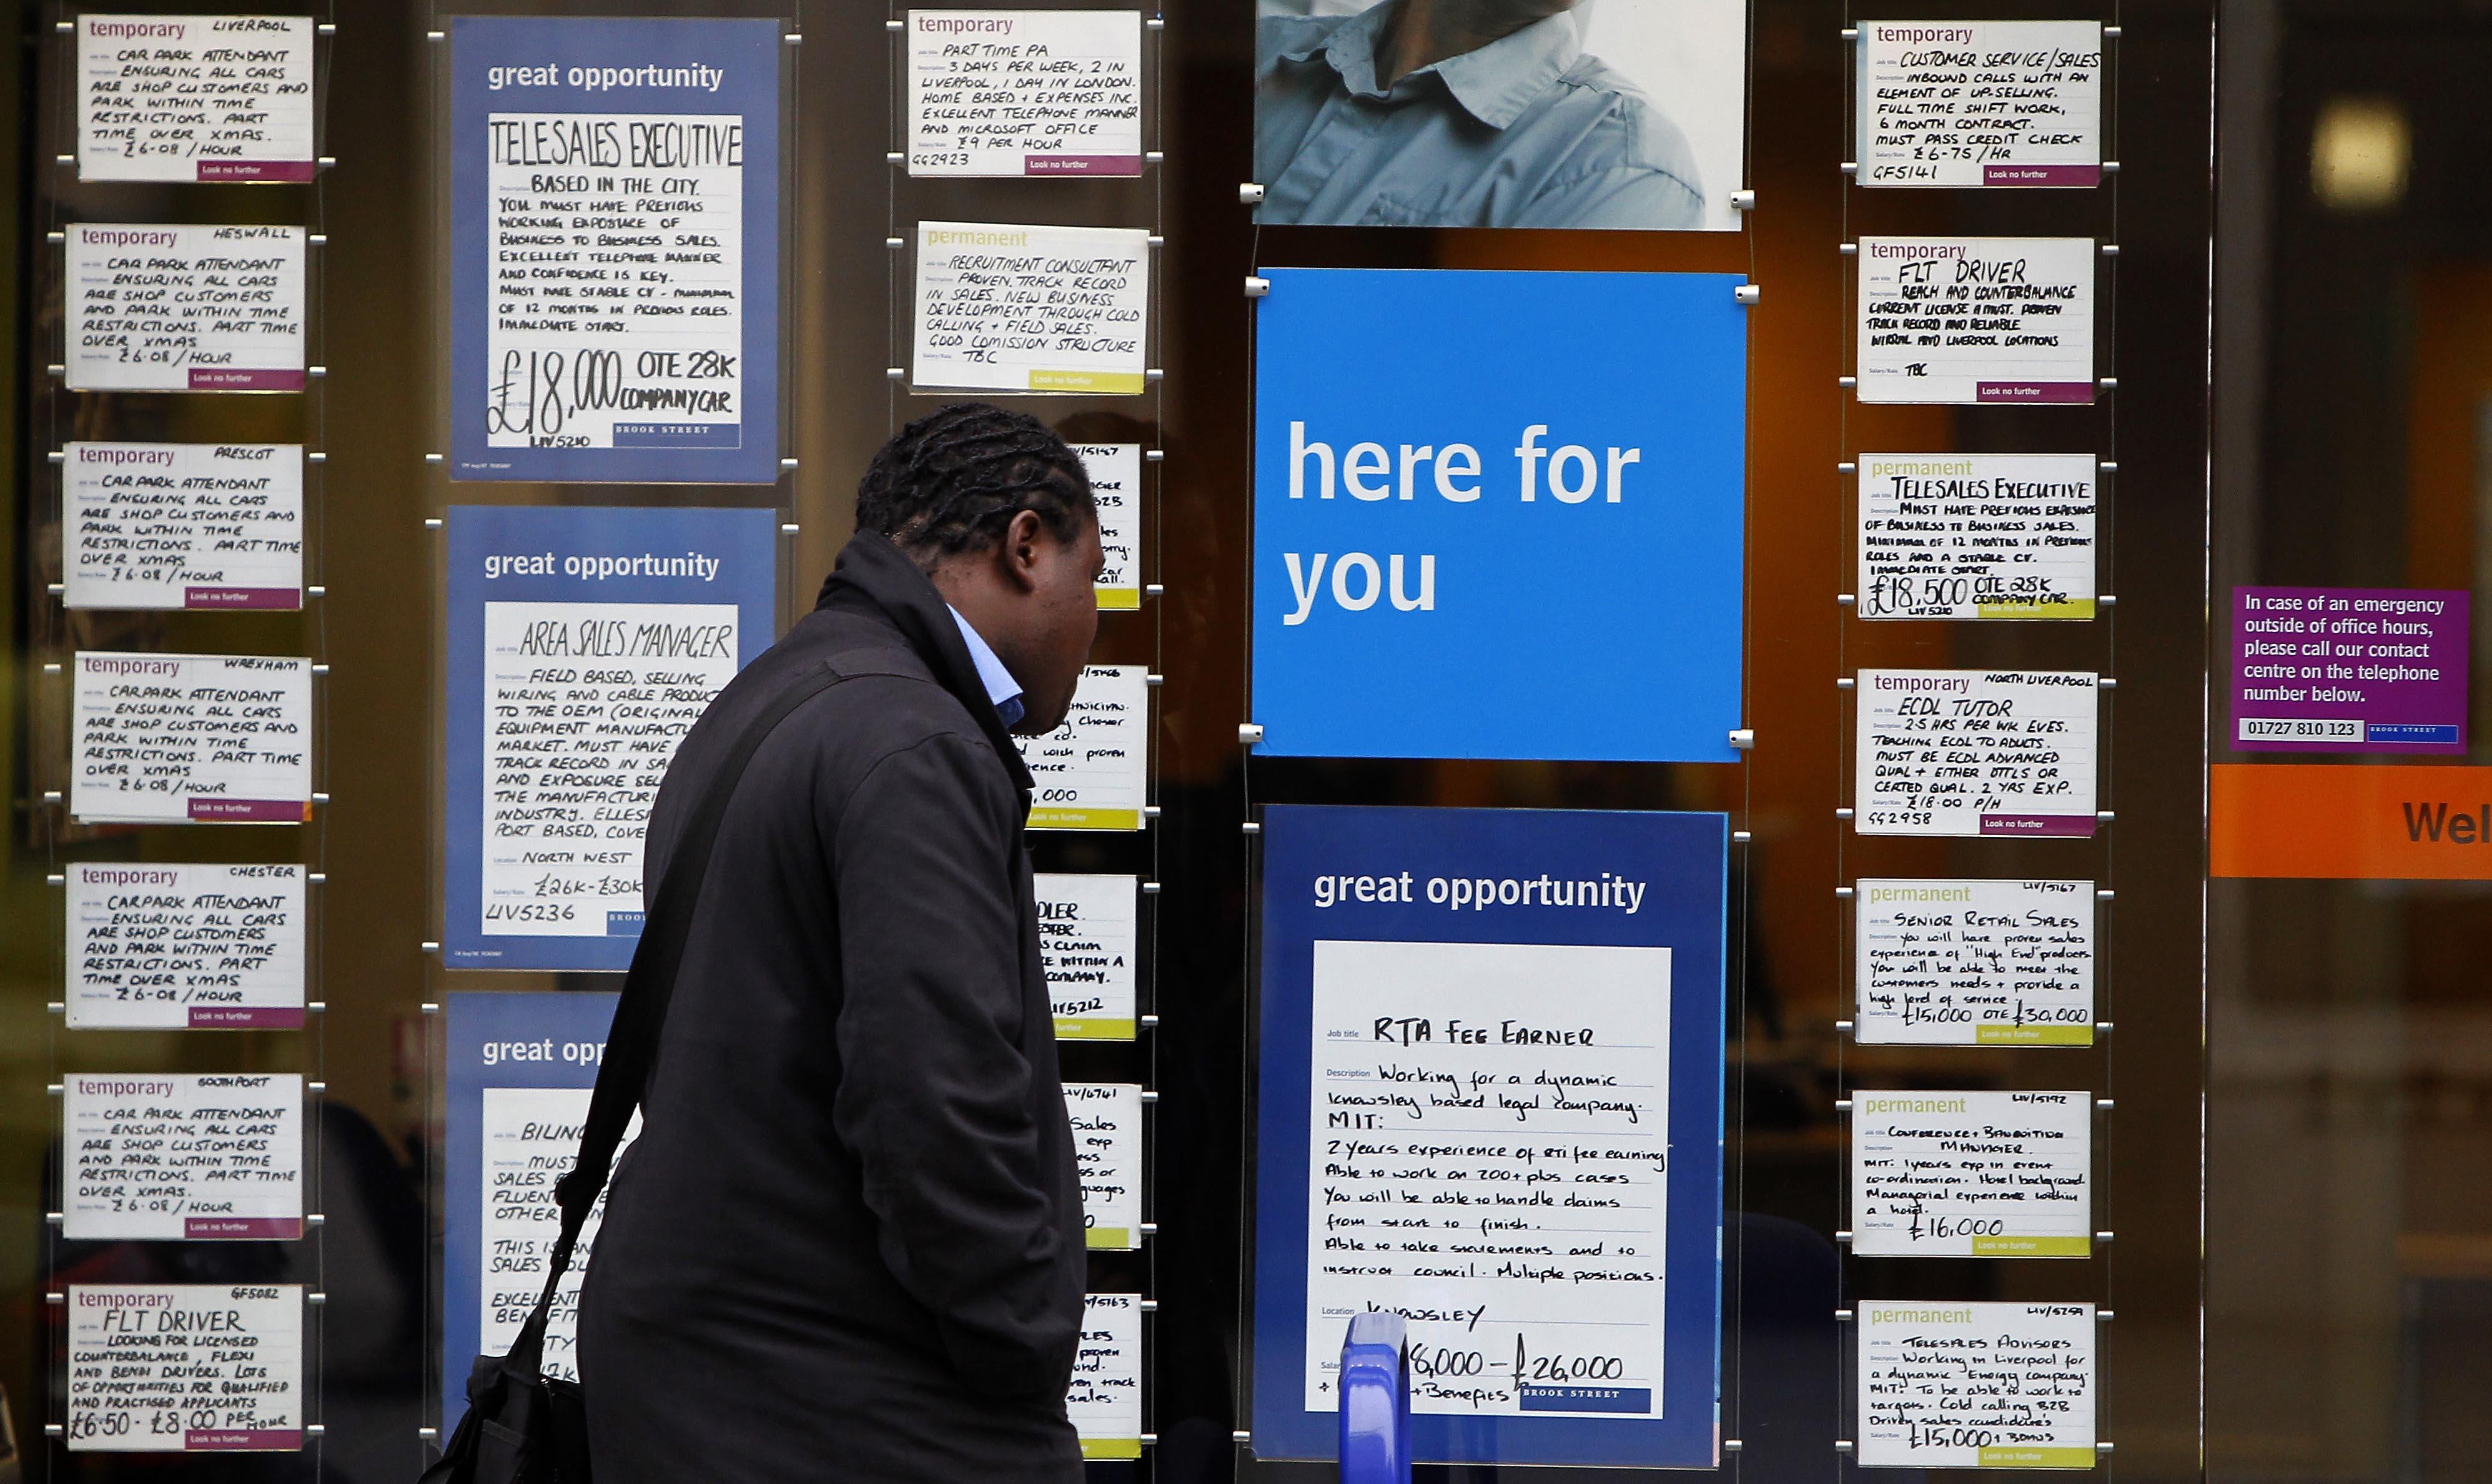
(583, 643)
(1539, 511)
(1490, 1100)
(615, 243)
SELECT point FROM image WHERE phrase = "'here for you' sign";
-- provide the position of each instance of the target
(1523, 542)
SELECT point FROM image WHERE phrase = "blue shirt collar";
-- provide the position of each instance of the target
(1494, 84)
(1003, 691)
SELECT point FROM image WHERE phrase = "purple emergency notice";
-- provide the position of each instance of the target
(2349, 670)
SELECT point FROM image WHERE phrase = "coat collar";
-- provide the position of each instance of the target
(871, 572)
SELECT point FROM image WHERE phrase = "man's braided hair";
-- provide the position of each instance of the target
(948, 482)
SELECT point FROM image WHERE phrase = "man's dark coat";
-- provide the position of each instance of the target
(847, 1244)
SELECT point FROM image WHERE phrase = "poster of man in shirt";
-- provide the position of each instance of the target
(1614, 114)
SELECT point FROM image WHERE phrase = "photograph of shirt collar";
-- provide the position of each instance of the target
(1571, 113)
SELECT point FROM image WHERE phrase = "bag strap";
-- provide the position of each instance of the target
(632, 1044)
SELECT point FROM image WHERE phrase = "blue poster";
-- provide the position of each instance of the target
(519, 1073)
(1498, 515)
(615, 243)
(583, 642)
(1490, 1100)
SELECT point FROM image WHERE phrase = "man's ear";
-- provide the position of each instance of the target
(1018, 553)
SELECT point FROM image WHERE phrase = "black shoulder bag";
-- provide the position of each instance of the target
(522, 1427)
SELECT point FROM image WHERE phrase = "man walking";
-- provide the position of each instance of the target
(847, 1244)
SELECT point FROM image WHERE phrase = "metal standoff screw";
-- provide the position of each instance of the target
(1747, 293)
(429, 946)
(1257, 288)
(1843, 812)
(2102, 1105)
(1846, 383)
(1250, 194)
(1842, 1444)
(1740, 837)
(2103, 894)
(1744, 739)
(1731, 1444)
(1851, 167)
(1249, 733)
(1843, 892)
(1743, 200)
(1844, 600)
(1249, 827)
(1843, 682)
(1241, 1437)
(1848, 248)
(1846, 467)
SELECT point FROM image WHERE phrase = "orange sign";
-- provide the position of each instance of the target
(2406, 823)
